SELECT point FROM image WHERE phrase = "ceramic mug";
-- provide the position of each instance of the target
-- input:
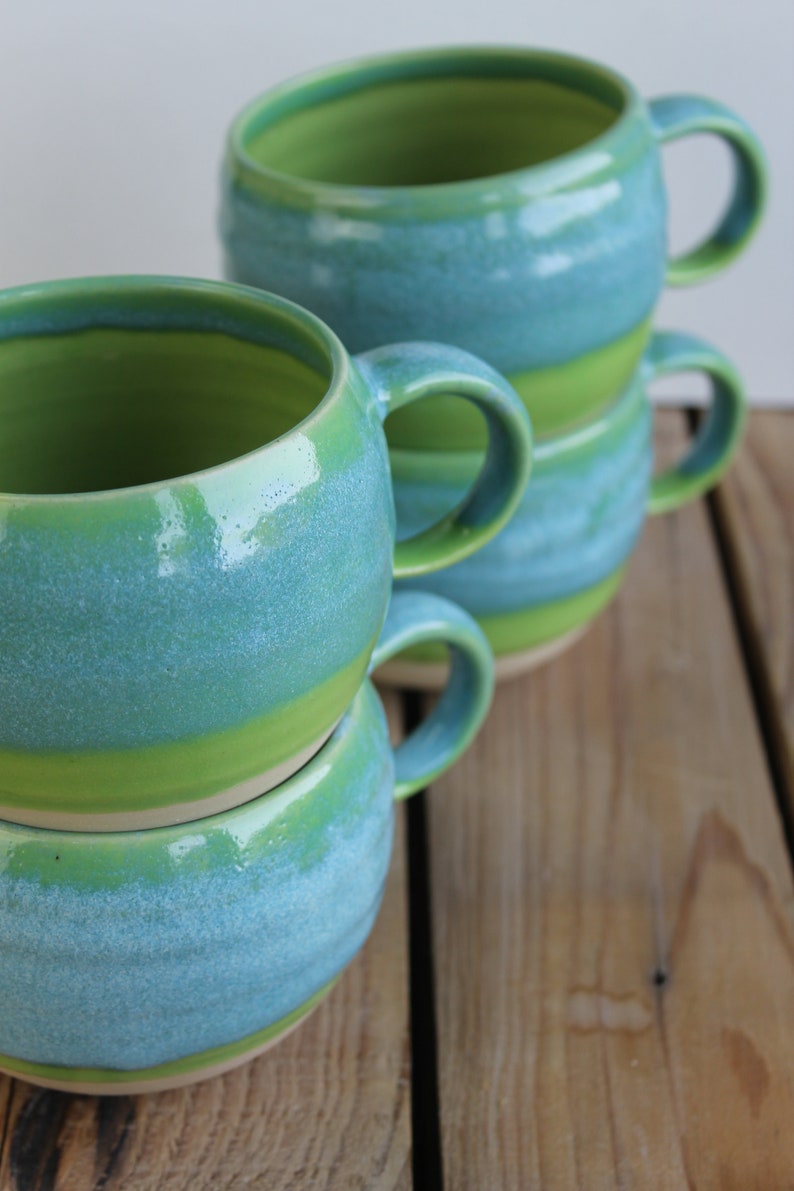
(539, 583)
(197, 539)
(510, 201)
(132, 961)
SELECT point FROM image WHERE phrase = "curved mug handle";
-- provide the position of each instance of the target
(716, 442)
(417, 617)
(676, 116)
(406, 372)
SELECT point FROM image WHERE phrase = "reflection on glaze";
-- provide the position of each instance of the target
(549, 216)
(243, 524)
(172, 538)
(326, 228)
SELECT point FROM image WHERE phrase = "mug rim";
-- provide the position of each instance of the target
(300, 93)
(51, 303)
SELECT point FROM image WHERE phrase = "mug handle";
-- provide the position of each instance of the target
(675, 116)
(716, 442)
(416, 617)
(405, 372)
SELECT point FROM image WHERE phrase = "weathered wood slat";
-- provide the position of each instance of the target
(756, 511)
(612, 909)
(327, 1108)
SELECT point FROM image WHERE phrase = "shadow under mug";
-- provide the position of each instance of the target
(508, 200)
(197, 539)
(559, 561)
(150, 959)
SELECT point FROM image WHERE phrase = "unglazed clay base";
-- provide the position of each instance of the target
(175, 1075)
(165, 816)
(432, 676)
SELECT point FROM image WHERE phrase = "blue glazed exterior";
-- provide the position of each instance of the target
(126, 951)
(522, 287)
(577, 524)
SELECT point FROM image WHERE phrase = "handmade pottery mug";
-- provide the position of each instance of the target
(132, 961)
(540, 582)
(510, 201)
(197, 539)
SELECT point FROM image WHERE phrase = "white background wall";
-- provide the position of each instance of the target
(113, 112)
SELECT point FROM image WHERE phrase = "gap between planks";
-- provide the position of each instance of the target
(752, 513)
(427, 1162)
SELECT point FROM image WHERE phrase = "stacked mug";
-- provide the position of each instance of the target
(509, 201)
(196, 559)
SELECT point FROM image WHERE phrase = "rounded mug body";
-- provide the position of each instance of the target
(507, 200)
(172, 640)
(197, 539)
(146, 959)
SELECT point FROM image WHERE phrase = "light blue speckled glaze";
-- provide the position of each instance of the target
(529, 268)
(520, 287)
(589, 493)
(128, 950)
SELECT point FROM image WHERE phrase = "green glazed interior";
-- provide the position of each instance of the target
(112, 408)
(444, 120)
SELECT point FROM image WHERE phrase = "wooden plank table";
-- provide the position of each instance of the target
(583, 973)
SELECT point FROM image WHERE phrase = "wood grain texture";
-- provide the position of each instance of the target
(756, 507)
(328, 1108)
(612, 909)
